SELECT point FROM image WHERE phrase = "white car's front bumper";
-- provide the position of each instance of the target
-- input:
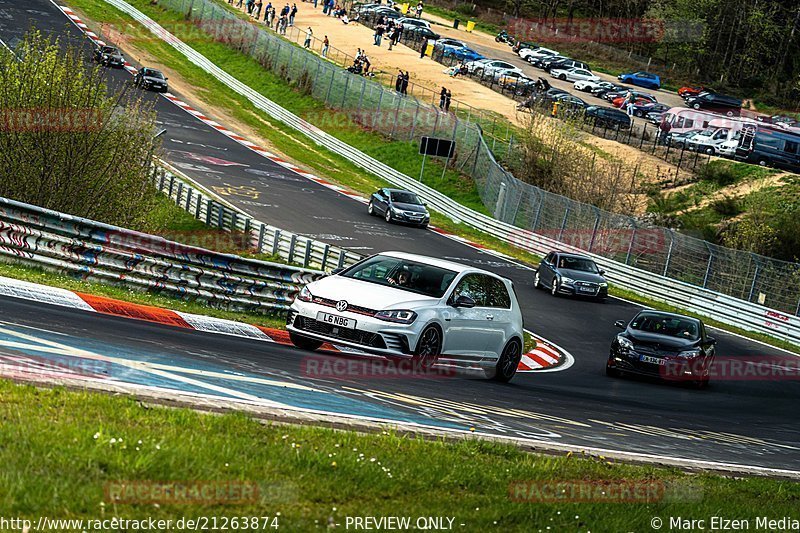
(370, 334)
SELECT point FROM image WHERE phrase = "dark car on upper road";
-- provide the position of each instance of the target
(663, 345)
(397, 205)
(607, 117)
(719, 103)
(568, 273)
(151, 79)
(108, 56)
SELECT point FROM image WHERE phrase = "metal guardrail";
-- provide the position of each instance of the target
(87, 249)
(262, 238)
(709, 303)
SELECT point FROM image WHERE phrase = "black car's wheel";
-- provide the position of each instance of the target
(508, 362)
(554, 287)
(424, 225)
(429, 346)
(388, 215)
(304, 343)
(371, 208)
(695, 106)
(537, 281)
(762, 162)
(612, 372)
(563, 77)
(638, 113)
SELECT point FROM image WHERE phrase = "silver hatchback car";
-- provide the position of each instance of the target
(411, 306)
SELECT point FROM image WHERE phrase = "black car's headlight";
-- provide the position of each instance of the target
(402, 316)
(305, 295)
(625, 345)
(690, 354)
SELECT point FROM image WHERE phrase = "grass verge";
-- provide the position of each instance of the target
(65, 453)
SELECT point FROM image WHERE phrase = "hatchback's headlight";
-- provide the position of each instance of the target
(305, 295)
(565, 279)
(604, 284)
(624, 344)
(403, 316)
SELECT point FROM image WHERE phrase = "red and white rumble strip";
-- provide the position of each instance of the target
(543, 356)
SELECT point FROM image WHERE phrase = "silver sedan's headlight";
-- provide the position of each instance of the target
(565, 279)
(604, 284)
(402, 316)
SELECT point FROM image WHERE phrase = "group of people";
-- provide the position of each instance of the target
(361, 64)
(444, 99)
(393, 31)
(284, 19)
(401, 83)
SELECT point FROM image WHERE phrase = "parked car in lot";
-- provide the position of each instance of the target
(612, 96)
(685, 92)
(446, 41)
(605, 87)
(588, 85)
(720, 103)
(151, 80)
(463, 53)
(410, 306)
(397, 205)
(542, 98)
(545, 62)
(409, 21)
(607, 117)
(708, 141)
(565, 64)
(491, 67)
(567, 273)
(108, 56)
(663, 345)
(520, 45)
(530, 55)
(681, 140)
(648, 80)
(574, 74)
(641, 99)
(421, 33)
(642, 108)
(517, 83)
(682, 119)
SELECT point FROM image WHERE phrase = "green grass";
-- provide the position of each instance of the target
(61, 448)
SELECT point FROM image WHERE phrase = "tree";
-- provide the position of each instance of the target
(68, 142)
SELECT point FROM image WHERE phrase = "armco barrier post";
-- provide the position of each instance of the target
(292, 244)
(276, 242)
(307, 255)
(261, 231)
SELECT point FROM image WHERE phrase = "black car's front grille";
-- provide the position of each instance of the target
(365, 338)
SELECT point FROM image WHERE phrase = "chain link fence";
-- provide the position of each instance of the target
(625, 239)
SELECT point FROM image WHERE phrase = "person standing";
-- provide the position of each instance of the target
(404, 88)
(309, 35)
(379, 35)
(259, 5)
(366, 64)
(315, 4)
(398, 84)
(447, 98)
(292, 14)
(629, 102)
(419, 10)
(442, 97)
(664, 128)
(325, 45)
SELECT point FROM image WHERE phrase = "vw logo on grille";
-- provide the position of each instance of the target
(341, 305)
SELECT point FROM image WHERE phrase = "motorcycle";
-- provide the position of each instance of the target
(504, 37)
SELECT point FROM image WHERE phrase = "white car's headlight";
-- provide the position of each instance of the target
(402, 316)
(305, 295)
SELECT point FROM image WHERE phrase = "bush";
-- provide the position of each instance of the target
(68, 143)
(727, 207)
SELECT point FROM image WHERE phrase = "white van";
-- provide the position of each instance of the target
(720, 137)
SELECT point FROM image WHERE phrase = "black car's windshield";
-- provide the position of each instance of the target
(580, 264)
(154, 74)
(109, 50)
(403, 274)
(671, 326)
(406, 198)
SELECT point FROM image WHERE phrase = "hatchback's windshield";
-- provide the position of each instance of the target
(154, 74)
(403, 274)
(406, 198)
(671, 326)
(577, 263)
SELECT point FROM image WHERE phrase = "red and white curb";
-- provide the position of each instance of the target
(544, 356)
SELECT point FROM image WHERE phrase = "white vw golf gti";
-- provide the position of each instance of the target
(404, 305)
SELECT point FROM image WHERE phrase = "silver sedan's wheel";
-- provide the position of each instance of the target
(371, 208)
(388, 215)
(508, 362)
(537, 280)
(429, 347)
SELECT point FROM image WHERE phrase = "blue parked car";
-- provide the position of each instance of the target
(642, 79)
(462, 53)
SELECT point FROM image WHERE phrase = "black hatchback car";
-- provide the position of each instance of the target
(607, 117)
(663, 345)
(151, 79)
(108, 56)
(566, 273)
(397, 205)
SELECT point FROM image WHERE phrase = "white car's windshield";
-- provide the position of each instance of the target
(403, 274)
